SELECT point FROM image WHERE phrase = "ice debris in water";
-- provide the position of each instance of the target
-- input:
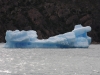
(77, 38)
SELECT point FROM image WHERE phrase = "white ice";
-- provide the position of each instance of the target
(77, 38)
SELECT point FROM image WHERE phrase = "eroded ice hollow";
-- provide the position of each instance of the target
(77, 38)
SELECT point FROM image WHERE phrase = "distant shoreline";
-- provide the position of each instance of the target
(95, 43)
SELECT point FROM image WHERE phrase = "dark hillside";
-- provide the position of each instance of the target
(49, 17)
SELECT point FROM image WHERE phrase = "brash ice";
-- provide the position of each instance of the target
(77, 38)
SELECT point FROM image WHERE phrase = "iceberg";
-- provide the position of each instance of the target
(77, 38)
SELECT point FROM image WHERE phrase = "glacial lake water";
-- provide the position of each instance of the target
(39, 61)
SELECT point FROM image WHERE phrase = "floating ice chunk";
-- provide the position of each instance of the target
(82, 40)
(20, 35)
(77, 38)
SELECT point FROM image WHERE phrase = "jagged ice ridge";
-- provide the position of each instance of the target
(77, 38)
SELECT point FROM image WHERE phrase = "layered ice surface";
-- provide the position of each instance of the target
(77, 38)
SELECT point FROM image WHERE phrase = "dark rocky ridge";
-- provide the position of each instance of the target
(49, 17)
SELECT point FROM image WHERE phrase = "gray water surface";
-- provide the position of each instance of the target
(73, 61)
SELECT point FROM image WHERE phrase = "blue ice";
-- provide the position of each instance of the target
(77, 38)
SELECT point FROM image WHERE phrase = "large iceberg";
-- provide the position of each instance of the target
(77, 38)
